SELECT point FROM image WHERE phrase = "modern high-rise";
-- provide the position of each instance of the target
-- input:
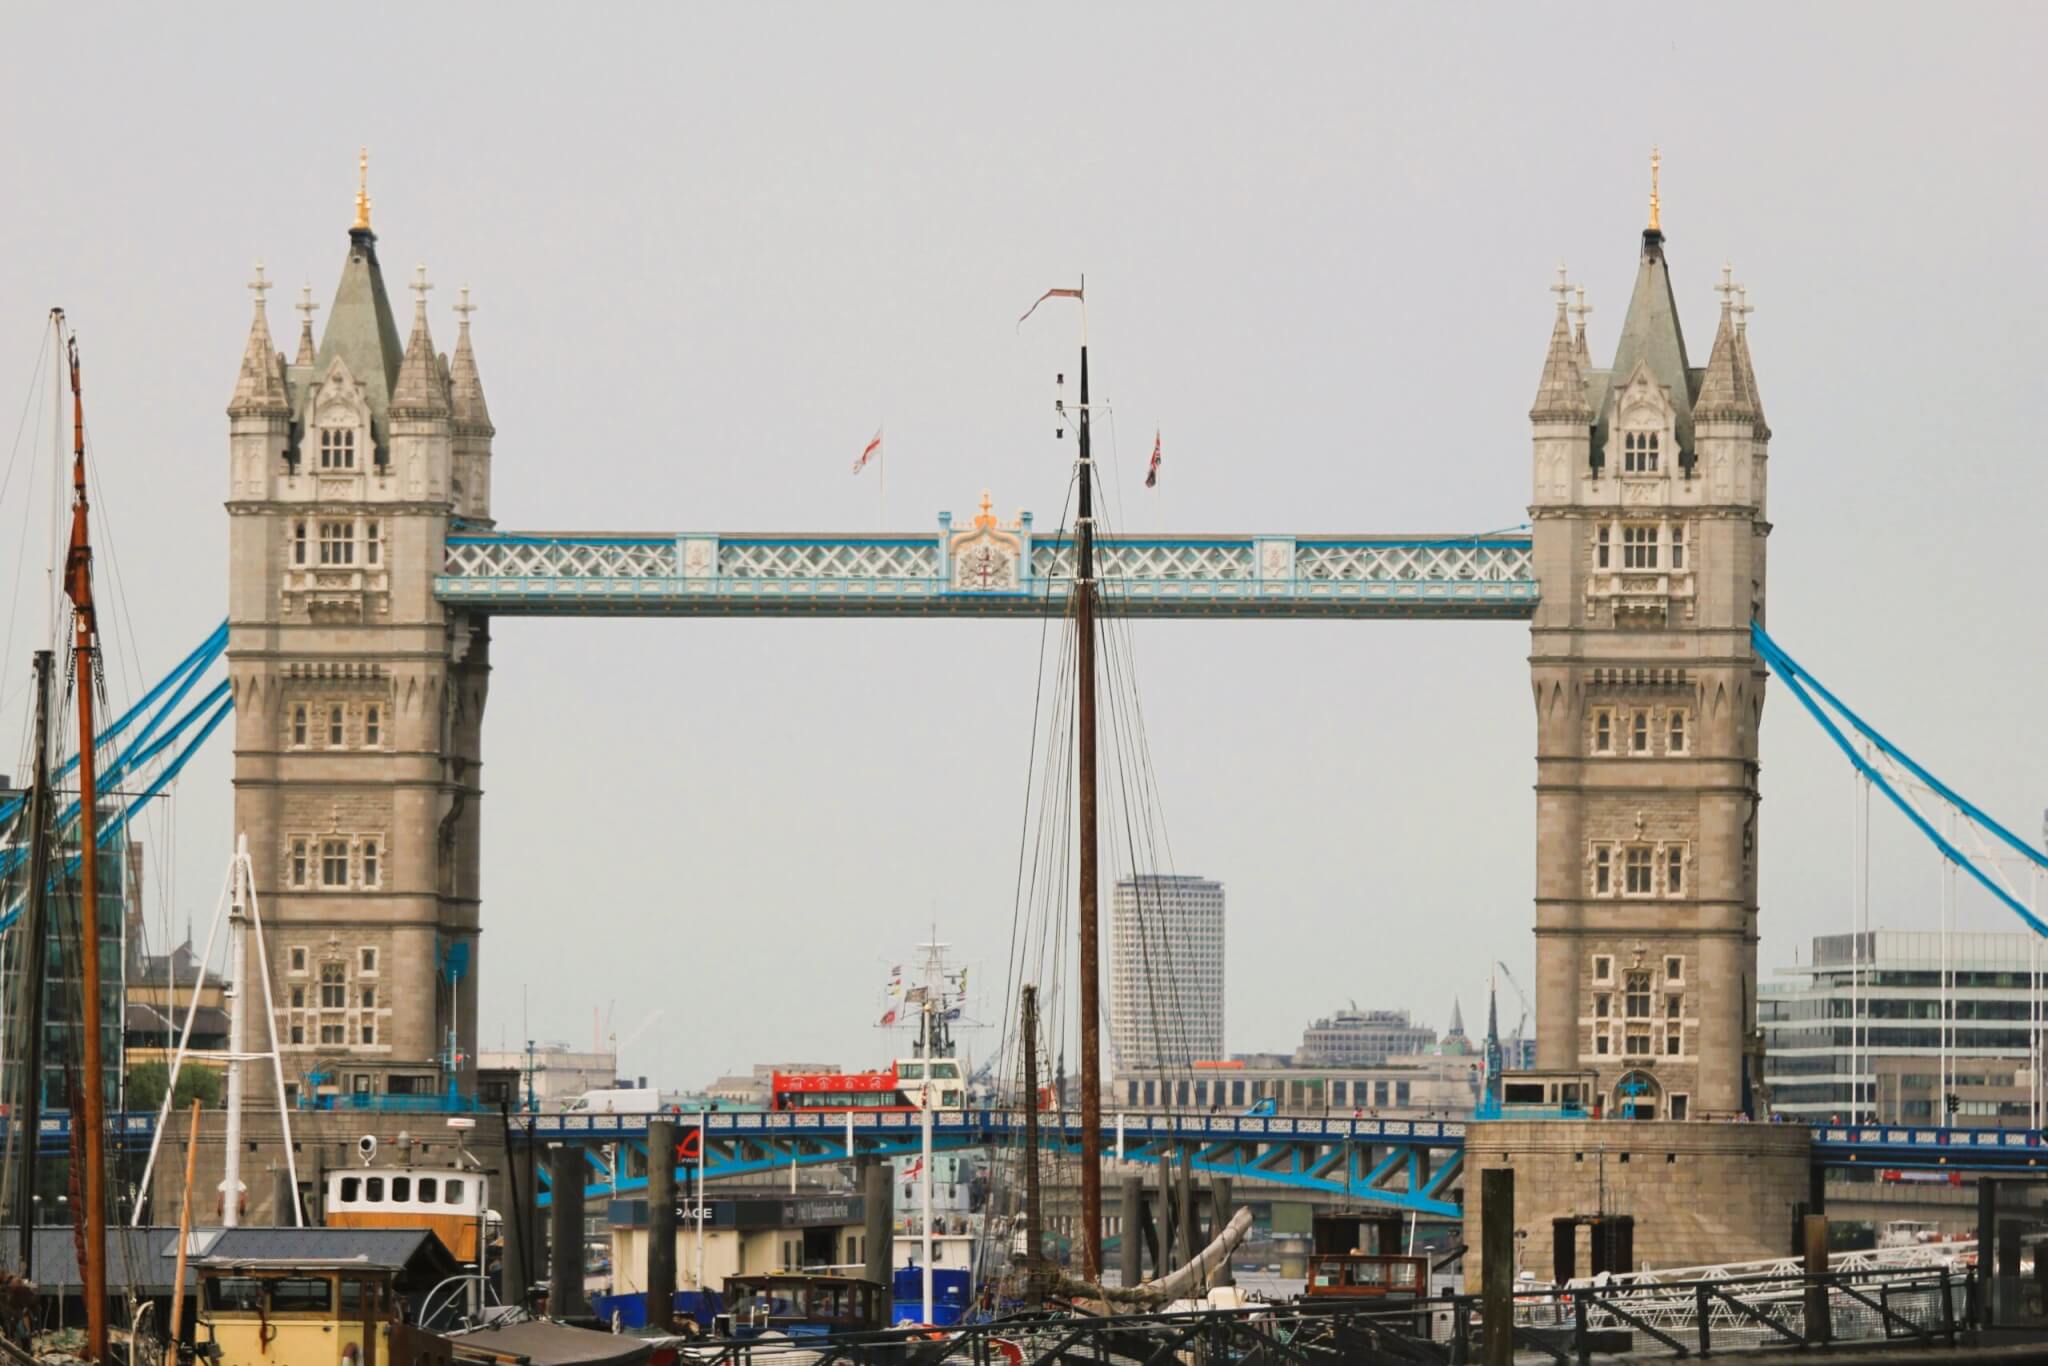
(1166, 973)
(1857, 1030)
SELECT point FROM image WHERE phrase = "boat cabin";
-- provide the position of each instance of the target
(1366, 1276)
(307, 1313)
(452, 1202)
(805, 1305)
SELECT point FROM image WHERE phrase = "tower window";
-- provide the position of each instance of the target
(333, 989)
(1674, 732)
(298, 543)
(370, 878)
(369, 1033)
(1639, 733)
(1671, 1045)
(299, 725)
(373, 726)
(337, 543)
(333, 864)
(1678, 545)
(1636, 871)
(1602, 541)
(1674, 870)
(298, 998)
(336, 729)
(298, 877)
(1603, 883)
(1638, 547)
(1635, 1000)
(1603, 730)
(1601, 1003)
(331, 1033)
(369, 998)
(1674, 1005)
(1639, 452)
(338, 448)
(299, 952)
(1603, 968)
(373, 542)
(369, 959)
(1674, 969)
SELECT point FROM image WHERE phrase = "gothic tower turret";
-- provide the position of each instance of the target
(358, 699)
(1648, 522)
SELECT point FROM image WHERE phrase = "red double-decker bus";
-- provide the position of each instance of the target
(906, 1086)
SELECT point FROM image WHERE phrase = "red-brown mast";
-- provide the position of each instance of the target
(92, 1095)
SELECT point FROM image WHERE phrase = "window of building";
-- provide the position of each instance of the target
(299, 725)
(338, 448)
(370, 868)
(1635, 998)
(1603, 872)
(1636, 871)
(333, 986)
(298, 875)
(1678, 545)
(1672, 1038)
(362, 1086)
(332, 1033)
(298, 1035)
(334, 863)
(373, 726)
(1674, 969)
(1602, 540)
(299, 958)
(1674, 1005)
(1599, 1041)
(298, 543)
(337, 543)
(1674, 731)
(1638, 547)
(1681, 1105)
(369, 998)
(368, 959)
(1603, 968)
(373, 542)
(1636, 1045)
(1674, 871)
(337, 727)
(1603, 730)
(1639, 451)
(369, 1033)
(1602, 1002)
(1639, 732)
(298, 998)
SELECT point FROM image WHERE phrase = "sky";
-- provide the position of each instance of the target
(713, 248)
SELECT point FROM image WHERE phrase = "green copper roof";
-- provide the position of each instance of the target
(1650, 334)
(361, 331)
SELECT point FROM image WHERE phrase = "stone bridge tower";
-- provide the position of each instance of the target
(1649, 527)
(358, 699)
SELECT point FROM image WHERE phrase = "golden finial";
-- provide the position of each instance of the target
(363, 190)
(987, 519)
(1656, 161)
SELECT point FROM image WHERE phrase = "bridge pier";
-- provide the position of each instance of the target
(661, 1224)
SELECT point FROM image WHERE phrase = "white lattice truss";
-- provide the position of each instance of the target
(1223, 575)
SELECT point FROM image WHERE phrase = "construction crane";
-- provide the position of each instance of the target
(1521, 995)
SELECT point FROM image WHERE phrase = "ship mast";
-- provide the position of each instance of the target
(35, 942)
(1090, 965)
(90, 1121)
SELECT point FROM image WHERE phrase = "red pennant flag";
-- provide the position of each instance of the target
(1152, 470)
(871, 451)
(1049, 294)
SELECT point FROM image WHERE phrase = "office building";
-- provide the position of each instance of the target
(1362, 1038)
(1166, 982)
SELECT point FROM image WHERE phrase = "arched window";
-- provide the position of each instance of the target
(1639, 452)
(337, 448)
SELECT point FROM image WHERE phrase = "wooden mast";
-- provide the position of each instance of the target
(92, 1095)
(1034, 1236)
(1090, 965)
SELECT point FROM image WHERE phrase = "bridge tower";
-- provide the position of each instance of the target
(359, 699)
(1649, 528)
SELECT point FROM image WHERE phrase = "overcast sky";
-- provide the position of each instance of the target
(713, 248)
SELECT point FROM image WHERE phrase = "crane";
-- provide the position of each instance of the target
(1521, 995)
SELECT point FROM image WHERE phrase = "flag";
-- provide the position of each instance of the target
(889, 1017)
(1049, 294)
(1152, 470)
(915, 996)
(911, 1172)
(896, 971)
(871, 451)
(954, 1013)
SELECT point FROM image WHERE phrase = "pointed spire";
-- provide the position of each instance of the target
(360, 329)
(419, 391)
(1650, 336)
(465, 388)
(1457, 1017)
(1561, 393)
(259, 388)
(1743, 309)
(306, 307)
(1724, 392)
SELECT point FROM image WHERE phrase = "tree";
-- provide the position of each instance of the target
(147, 1080)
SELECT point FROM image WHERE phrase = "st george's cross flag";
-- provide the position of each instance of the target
(1152, 470)
(871, 451)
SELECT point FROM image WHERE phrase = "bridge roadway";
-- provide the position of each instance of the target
(1403, 1163)
(991, 569)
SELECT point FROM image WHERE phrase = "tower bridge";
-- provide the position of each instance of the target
(366, 568)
